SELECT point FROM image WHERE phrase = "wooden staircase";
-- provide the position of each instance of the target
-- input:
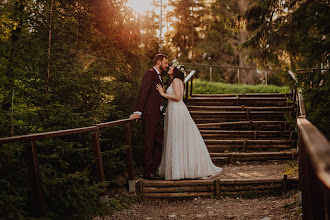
(253, 127)
(242, 127)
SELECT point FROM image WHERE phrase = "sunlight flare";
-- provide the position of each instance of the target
(140, 6)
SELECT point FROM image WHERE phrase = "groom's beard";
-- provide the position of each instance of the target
(162, 69)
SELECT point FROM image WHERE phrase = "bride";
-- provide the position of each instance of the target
(185, 155)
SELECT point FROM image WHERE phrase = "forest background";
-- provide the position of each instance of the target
(68, 64)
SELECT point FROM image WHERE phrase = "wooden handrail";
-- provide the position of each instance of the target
(318, 148)
(186, 81)
(32, 156)
(51, 134)
(189, 76)
(301, 105)
(314, 167)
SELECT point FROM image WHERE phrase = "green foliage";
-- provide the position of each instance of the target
(317, 104)
(292, 34)
(91, 75)
(291, 168)
(204, 87)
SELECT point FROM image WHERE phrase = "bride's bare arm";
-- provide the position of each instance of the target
(176, 84)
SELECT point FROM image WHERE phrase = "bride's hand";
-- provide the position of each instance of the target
(160, 89)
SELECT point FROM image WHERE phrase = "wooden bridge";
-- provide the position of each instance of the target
(238, 127)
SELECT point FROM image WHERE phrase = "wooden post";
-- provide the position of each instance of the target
(187, 92)
(300, 167)
(191, 85)
(131, 181)
(210, 73)
(38, 194)
(251, 125)
(97, 156)
(285, 182)
(238, 76)
(266, 77)
(217, 187)
(247, 114)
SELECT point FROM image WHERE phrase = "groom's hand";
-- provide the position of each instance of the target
(135, 116)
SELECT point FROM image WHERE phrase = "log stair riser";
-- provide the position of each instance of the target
(217, 187)
(249, 135)
(244, 95)
(233, 157)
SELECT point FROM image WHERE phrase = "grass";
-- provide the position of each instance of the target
(205, 87)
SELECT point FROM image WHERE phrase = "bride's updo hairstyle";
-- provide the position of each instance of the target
(178, 71)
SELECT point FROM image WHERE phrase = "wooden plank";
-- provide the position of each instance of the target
(225, 182)
(241, 94)
(42, 135)
(282, 109)
(251, 187)
(112, 123)
(226, 98)
(176, 189)
(177, 195)
(147, 183)
(317, 148)
(225, 193)
(254, 156)
(51, 134)
(249, 142)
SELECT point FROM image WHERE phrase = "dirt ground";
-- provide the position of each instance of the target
(263, 207)
(247, 170)
(282, 205)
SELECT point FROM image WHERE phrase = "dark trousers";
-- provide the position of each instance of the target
(152, 142)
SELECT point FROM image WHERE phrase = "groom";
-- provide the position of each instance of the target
(149, 108)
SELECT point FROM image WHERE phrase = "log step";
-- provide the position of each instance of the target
(260, 156)
(219, 99)
(239, 108)
(238, 101)
(244, 125)
(216, 187)
(235, 113)
(249, 135)
(248, 142)
(245, 95)
(225, 116)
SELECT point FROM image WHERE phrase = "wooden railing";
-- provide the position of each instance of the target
(314, 167)
(39, 199)
(188, 78)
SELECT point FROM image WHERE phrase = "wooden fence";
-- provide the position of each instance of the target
(39, 199)
(314, 167)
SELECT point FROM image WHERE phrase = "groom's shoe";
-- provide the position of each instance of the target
(151, 177)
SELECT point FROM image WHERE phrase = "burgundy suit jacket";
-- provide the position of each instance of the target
(149, 100)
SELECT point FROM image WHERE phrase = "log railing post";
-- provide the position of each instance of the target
(39, 198)
(210, 73)
(97, 156)
(191, 85)
(131, 180)
(187, 91)
(98, 162)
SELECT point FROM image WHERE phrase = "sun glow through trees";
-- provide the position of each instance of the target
(140, 6)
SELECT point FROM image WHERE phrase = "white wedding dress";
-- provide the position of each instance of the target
(185, 155)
